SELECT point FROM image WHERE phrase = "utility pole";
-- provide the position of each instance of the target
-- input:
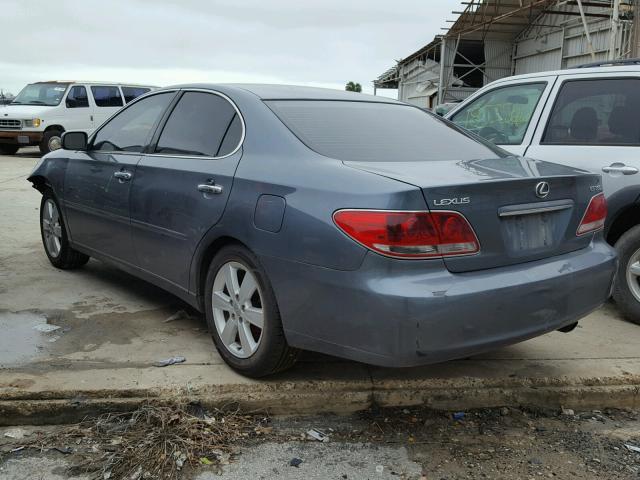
(615, 21)
(441, 88)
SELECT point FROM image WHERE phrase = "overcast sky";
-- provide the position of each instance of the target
(164, 42)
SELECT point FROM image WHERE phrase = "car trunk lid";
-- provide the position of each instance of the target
(520, 209)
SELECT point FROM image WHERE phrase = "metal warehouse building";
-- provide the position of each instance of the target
(492, 39)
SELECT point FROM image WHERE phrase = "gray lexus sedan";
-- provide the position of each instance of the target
(301, 218)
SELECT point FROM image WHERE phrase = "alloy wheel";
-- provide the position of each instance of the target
(51, 228)
(237, 309)
(633, 274)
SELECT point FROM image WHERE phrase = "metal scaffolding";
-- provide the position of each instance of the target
(491, 39)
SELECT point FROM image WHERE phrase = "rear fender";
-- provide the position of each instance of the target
(623, 207)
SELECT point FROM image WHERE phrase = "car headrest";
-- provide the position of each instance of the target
(584, 124)
(622, 122)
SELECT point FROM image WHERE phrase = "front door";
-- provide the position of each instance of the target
(593, 125)
(98, 182)
(78, 112)
(506, 114)
(181, 189)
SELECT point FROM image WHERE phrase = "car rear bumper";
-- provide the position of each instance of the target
(20, 137)
(407, 313)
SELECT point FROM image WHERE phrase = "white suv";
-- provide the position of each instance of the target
(43, 111)
(585, 117)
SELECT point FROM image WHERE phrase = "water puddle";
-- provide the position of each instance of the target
(25, 337)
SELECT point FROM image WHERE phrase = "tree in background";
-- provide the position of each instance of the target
(5, 97)
(353, 87)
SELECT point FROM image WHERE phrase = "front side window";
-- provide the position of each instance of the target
(77, 97)
(502, 115)
(201, 124)
(130, 130)
(106, 96)
(595, 112)
(133, 92)
(49, 94)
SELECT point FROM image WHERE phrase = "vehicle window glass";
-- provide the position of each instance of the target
(41, 94)
(133, 92)
(378, 132)
(77, 97)
(232, 138)
(198, 126)
(595, 112)
(129, 131)
(502, 115)
(106, 96)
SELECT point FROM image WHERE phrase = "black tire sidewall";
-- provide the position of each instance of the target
(265, 360)
(626, 246)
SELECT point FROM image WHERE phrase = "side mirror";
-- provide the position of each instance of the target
(74, 141)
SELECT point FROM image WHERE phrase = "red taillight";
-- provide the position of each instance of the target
(594, 216)
(409, 234)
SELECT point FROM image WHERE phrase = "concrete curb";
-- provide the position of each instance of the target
(323, 396)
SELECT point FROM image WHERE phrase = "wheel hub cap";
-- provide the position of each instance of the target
(55, 143)
(237, 309)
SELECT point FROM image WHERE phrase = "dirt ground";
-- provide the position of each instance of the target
(396, 443)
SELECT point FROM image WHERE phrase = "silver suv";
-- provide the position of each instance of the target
(588, 118)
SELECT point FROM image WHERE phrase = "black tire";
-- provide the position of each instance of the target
(67, 258)
(6, 149)
(44, 143)
(273, 353)
(627, 245)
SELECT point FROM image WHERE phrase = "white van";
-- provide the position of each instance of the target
(43, 110)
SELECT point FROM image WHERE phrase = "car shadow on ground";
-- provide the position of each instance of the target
(28, 152)
(170, 310)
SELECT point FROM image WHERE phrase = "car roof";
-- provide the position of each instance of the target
(613, 70)
(291, 92)
(93, 82)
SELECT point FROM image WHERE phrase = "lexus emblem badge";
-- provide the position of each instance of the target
(542, 189)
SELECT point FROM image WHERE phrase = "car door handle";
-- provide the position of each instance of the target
(208, 188)
(124, 176)
(620, 168)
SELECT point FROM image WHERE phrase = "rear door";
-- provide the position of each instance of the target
(181, 189)
(507, 113)
(108, 100)
(98, 182)
(593, 124)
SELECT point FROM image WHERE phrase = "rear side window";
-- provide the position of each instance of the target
(106, 96)
(133, 92)
(77, 97)
(502, 115)
(377, 132)
(130, 130)
(201, 124)
(595, 112)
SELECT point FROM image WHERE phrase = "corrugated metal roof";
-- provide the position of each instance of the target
(502, 20)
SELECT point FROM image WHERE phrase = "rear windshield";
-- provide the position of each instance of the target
(378, 132)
